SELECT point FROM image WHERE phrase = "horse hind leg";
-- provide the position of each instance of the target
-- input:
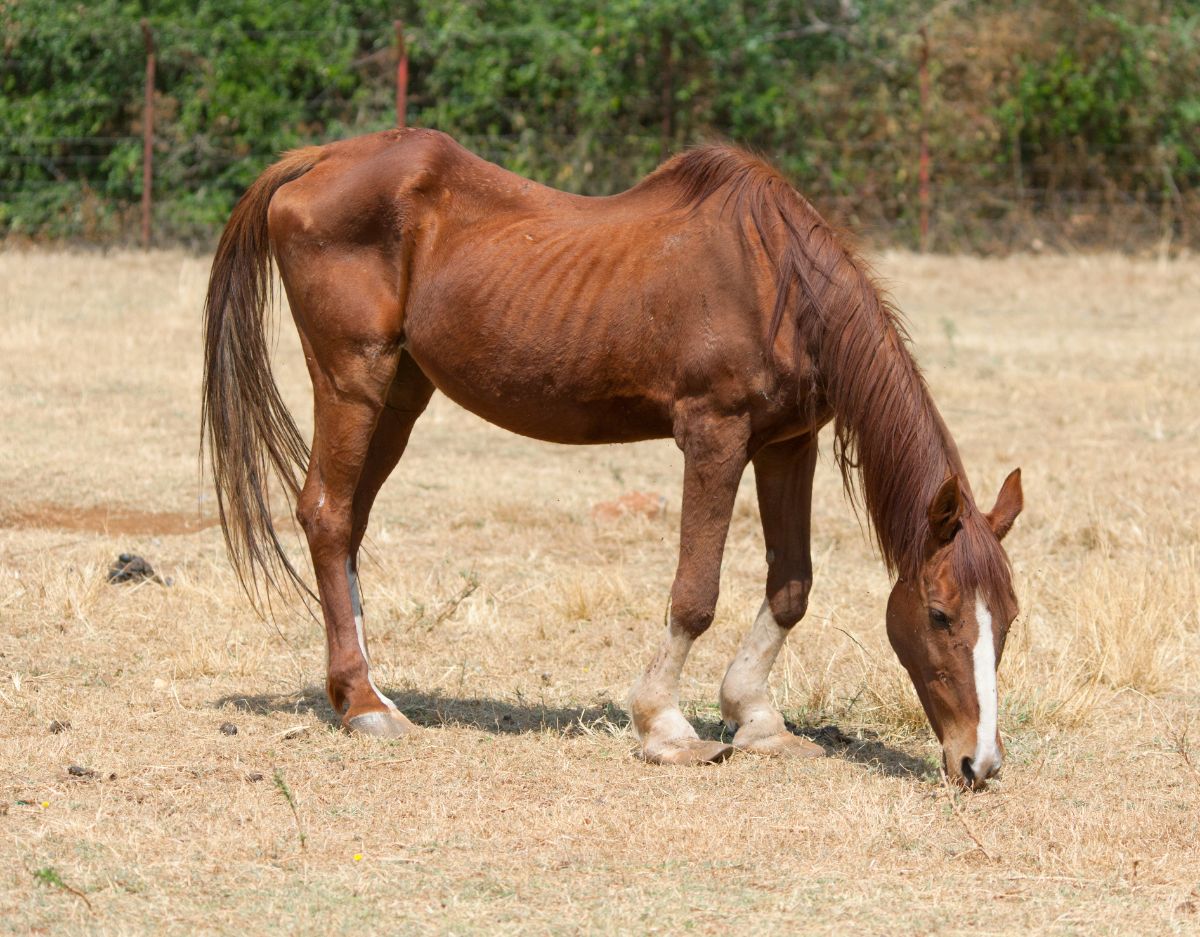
(352, 345)
(406, 400)
(714, 458)
(783, 477)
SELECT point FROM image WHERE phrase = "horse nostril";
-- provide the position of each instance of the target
(968, 772)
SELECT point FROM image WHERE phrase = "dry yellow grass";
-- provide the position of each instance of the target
(509, 622)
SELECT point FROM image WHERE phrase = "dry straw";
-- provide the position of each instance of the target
(509, 623)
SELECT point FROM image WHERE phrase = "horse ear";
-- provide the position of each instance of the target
(946, 510)
(1008, 505)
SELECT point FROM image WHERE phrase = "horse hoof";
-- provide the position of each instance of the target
(380, 724)
(782, 745)
(688, 752)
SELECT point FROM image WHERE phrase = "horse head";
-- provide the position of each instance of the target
(948, 625)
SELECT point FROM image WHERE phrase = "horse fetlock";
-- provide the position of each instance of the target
(664, 726)
(760, 727)
(655, 714)
(667, 737)
(758, 719)
(351, 690)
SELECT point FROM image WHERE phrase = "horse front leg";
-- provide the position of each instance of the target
(783, 475)
(714, 459)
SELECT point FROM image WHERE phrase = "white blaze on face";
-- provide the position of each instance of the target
(985, 685)
(356, 606)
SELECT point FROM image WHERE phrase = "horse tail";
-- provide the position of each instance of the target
(245, 424)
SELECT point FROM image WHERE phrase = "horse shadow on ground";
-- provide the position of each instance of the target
(504, 717)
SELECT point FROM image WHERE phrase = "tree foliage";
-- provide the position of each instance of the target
(1069, 115)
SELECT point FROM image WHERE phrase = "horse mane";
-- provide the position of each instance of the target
(888, 434)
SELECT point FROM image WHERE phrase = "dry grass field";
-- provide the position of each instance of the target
(510, 622)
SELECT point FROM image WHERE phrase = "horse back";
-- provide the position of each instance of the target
(559, 316)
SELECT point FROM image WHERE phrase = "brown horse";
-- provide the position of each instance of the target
(709, 303)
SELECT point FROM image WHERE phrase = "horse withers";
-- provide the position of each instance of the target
(710, 303)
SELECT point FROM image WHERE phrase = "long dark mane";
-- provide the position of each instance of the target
(890, 443)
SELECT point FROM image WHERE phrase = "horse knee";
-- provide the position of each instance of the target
(692, 613)
(789, 601)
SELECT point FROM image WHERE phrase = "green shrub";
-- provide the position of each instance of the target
(1070, 118)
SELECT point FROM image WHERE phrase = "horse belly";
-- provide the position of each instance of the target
(539, 388)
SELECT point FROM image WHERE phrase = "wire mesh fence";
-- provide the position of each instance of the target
(863, 166)
(88, 188)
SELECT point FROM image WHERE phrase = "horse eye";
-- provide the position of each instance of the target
(938, 618)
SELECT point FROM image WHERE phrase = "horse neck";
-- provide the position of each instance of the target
(885, 422)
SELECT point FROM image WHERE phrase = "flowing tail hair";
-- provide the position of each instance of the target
(245, 425)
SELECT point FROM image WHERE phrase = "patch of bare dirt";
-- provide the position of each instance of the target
(104, 519)
(646, 503)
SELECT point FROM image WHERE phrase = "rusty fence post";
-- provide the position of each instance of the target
(668, 95)
(148, 135)
(401, 76)
(923, 159)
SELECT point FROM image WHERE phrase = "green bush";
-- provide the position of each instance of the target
(1067, 120)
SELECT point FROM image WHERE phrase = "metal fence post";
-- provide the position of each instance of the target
(401, 76)
(923, 159)
(148, 136)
